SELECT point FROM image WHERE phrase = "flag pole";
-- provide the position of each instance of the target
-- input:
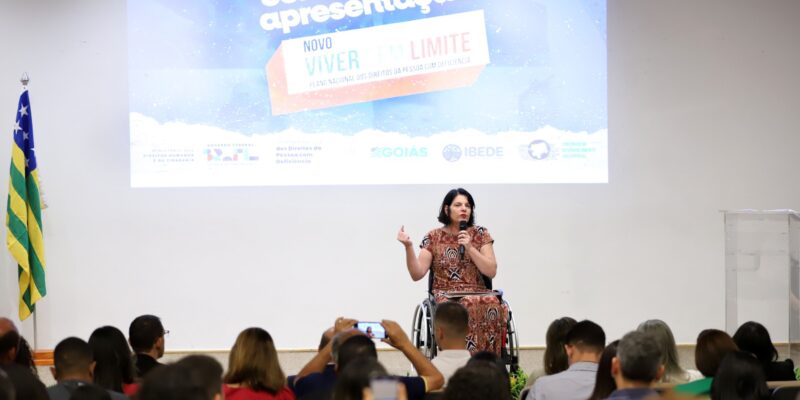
(24, 81)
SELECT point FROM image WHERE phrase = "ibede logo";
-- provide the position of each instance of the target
(453, 152)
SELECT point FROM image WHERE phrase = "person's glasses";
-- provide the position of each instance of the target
(166, 332)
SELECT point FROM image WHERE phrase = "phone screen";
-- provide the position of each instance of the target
(373, 330)
(384, 388)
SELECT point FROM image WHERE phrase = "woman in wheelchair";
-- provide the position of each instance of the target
(459, 254)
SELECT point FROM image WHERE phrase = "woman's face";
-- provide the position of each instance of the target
(459, 209)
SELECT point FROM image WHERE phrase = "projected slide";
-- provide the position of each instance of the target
(321, 92)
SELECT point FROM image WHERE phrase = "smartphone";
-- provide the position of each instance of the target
(384, 388)
(373, 330)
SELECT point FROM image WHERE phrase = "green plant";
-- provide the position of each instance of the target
(518, 379)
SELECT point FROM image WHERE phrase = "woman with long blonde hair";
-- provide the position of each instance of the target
(253, 369)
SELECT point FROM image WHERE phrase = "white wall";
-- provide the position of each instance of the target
(703, 116)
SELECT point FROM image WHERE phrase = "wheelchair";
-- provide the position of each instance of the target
(422, 329)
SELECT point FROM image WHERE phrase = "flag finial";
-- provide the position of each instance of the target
(25, 79)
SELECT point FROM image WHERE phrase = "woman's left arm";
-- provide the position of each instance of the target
(484, 259)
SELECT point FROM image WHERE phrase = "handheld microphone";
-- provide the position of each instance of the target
(462, 226)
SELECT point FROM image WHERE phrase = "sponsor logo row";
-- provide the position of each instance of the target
(534, 150)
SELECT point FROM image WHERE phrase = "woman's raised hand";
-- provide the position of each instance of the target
(403, 237)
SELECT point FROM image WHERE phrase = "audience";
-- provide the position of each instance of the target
(346, 366)
(754, 338)
(637, 367)
(253, 369)
(712, 346)
(584, 345)
(114, 369)
(673, 373)
(73, 368)
(450, 325)
(740, 377)
(26, 384)
(146, 336)
(604, 382)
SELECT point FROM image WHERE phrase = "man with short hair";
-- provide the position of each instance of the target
(584, 344)
(73, 367)
(26, 384)
(637, 367)
(146, 336)
(450, 326)
(349, 344)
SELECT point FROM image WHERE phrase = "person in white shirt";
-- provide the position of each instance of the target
(584, 345)
(450, 325)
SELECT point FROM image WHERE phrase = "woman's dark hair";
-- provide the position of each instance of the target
(356, 376)
(739, 377)
(555, 357)
(712, 346)
(114, 364)
(25, 356)
(448, 200)
(492, 358)
(754, 338)
(478, 380)
(604, 383)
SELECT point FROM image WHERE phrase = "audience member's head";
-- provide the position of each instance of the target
(205, 372)
(73, 360)
(9, 344)
(24, 354)
(6, 387)
(339, 338)
(478, 380)
(604, 382)
(555, 356)
(356, 376)
(585, 342)
(740, 377)
(90, 392)
(451, 322)
(174, 382)
(638, 361)
(753, 337)
(712, 346)
(112, 356)
(355, 347)
(253, 362)
(660, 331)
(146, 335)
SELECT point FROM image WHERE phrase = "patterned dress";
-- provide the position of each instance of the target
(451, 274)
